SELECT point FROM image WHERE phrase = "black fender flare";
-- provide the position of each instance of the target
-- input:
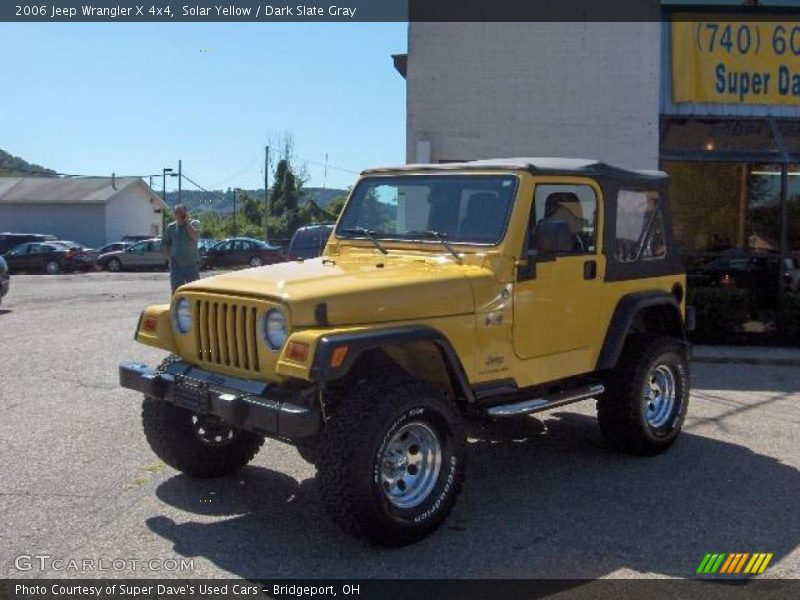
(624, 314)
(360, 341)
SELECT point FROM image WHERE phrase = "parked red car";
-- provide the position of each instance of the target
(234, 252)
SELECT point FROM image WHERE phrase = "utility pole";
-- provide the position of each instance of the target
(266, 193)
(164, 184)
(180, 179)
(234, 212)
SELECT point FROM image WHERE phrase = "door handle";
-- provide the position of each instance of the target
(590, 269)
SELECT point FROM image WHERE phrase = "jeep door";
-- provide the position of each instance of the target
(558, 296)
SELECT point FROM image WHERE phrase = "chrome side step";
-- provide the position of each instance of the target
(536, 404)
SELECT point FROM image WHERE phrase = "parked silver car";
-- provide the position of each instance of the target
(146, 254)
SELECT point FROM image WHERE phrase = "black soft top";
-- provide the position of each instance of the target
(537, 166)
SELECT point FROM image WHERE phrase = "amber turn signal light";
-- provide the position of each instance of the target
(297, 351)
(338, 356)
(150, 324)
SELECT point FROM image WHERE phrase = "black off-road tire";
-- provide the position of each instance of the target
(357, 435)
(173, 436)
(171, 433)
(309, 451)
(622, 409)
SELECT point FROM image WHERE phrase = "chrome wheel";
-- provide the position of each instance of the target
(256, 261)
(113, 265)
(659, 396)
(212, 431)
(52, 267)
(410, 465)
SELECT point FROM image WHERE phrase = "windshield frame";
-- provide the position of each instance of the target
(418, 239)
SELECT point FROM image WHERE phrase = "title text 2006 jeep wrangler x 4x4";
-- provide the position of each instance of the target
(490, 288)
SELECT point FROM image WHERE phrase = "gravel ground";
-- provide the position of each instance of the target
(544, 497)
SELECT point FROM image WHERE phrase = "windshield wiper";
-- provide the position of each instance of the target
(367, 233)
(442, 237)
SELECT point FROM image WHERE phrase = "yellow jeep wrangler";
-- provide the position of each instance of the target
(487, 289)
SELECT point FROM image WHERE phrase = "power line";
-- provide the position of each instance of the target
(329, 166)
(197, 185)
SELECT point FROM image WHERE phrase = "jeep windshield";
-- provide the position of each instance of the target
(461, 209)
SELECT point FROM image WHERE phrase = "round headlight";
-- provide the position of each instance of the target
(183, 316)
(273, 328)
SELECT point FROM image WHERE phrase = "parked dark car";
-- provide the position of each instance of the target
(309, 242)
(5, 279)
(113, 247)
(756, 274)
(235, 252)
(83, 253)
(50, 257)
(9, 241)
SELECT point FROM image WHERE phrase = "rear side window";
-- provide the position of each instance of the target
(639, 226)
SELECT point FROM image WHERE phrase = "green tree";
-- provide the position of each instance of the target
(284, 201)
(336, 205)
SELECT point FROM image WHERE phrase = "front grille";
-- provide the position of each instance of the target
(227, 334)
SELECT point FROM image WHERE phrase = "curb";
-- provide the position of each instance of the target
(734, 360)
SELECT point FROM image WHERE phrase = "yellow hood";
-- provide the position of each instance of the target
(357, 289)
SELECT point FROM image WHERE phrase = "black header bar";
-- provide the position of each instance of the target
(178, 11)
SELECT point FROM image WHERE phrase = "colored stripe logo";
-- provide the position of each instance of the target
(721, 563)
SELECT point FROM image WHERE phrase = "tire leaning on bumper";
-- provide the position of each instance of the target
(173, 436)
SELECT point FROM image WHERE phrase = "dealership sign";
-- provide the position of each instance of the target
(736, 62)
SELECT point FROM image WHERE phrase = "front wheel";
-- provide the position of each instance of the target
(114, 265)
(392, 460)
(647, 396)
(51, 267)
(256, 261)
(201, 446)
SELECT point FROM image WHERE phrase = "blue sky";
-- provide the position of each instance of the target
(133, 98)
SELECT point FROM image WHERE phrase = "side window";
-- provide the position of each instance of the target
(36, 249)
(570, 210)
(639, 227)
(138, 248)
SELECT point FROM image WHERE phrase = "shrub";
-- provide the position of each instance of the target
(789, 317)
(720, 312)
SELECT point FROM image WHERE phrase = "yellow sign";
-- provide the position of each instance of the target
(736, 62)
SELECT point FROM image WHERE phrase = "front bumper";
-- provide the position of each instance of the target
(281, 411)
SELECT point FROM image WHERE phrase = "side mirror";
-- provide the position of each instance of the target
(552, 237)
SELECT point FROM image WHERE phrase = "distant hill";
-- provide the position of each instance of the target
(14, 166)
(221, 202)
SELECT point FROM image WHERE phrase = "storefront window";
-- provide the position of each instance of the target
(764, 209)
(793, 209)
(708, 205)
(717, 136)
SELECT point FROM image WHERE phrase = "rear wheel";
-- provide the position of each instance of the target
(51, 267)
(647, 395)
(392, 460)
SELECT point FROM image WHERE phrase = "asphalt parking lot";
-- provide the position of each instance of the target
(544, 497)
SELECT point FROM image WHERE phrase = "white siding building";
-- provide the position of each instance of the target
(90, 210)
(494, 90)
